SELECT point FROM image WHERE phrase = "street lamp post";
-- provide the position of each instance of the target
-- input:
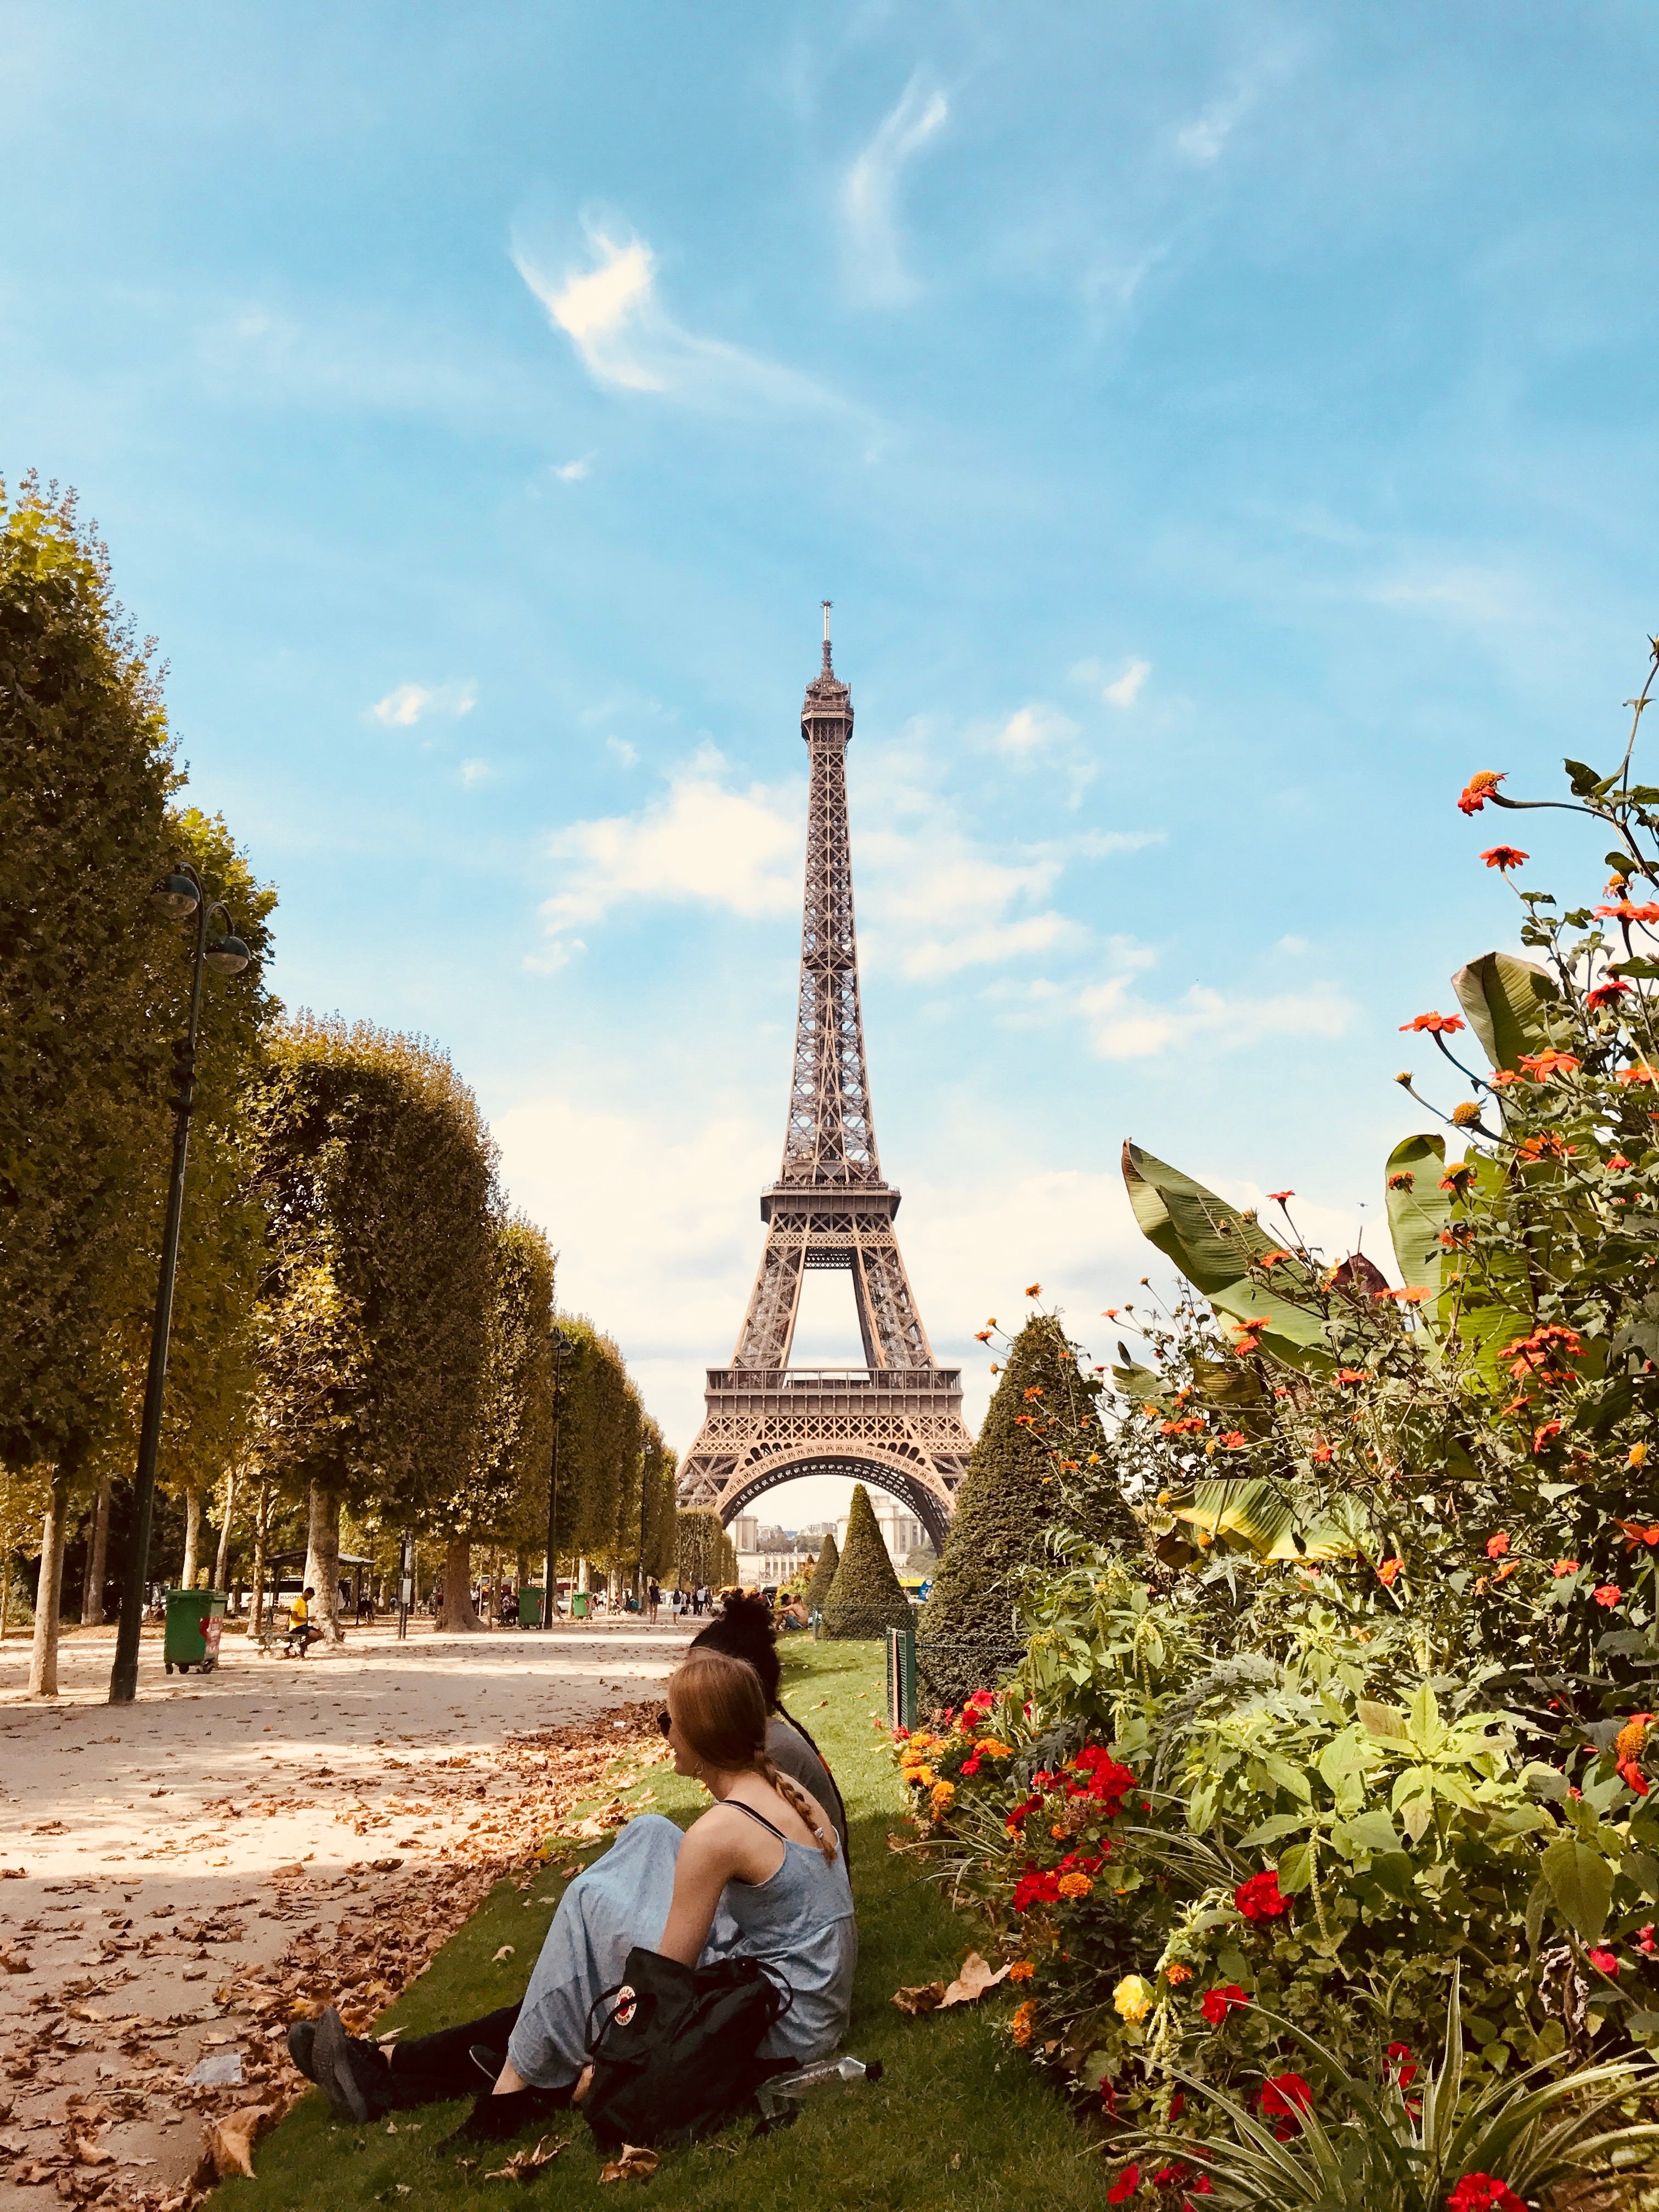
(179, 894)
(561, 1349)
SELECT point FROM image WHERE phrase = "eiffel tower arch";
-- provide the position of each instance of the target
(896, 1421)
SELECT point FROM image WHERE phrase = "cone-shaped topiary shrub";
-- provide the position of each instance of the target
(866, 1598)
(1008, 1501)
(823, 1576)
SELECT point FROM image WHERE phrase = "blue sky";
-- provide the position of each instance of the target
(1220, 430)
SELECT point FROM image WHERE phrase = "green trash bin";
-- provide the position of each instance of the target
(530, 1608)
(579, 1605)
(195, 1620)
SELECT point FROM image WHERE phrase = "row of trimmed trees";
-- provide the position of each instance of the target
(361, 1322)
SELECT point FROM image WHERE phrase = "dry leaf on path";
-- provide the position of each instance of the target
(505, 1952)
(524, 2163)
(230, 2141)
(972, 1982)
(635, 2164)
(926, 1996)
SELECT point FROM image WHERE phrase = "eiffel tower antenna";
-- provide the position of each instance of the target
(896, 1421)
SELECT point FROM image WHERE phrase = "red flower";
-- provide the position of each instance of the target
(1478, 790)
(1608, 993)
(1615, 1164)
(1564, 1567)
(1542, 1065)
(1497, 1545)
(1388, 1570)
(1215, 2004)
(1604, 1962)
(1545, 1434)
(1279, 1197)
(1503, 856)
(1645, 1939)
(1125, 2186)
(1233, 1438)
(1351, 1375)
(1321, 1453)
(1402, 2065)
(1283, 2096)
(1436, 1024)
(1403, 1181)
(1258, 1899)
(1608, 1595)
(1626, 912)
(1483, 2192)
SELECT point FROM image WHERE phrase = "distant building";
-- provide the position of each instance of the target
(901, 1532)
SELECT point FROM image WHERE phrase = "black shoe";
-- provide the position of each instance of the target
(301, 2040)
(497, 2119)
(353, 2074)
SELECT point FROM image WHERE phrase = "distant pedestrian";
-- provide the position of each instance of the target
(300, 1633)
(654, 1597)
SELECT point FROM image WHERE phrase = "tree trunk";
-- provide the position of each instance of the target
(222, 1564)
(192, 1537)
(92, 1595)
(456, 1611)
(323, 1561)
(43, 1661)
(261, 1523)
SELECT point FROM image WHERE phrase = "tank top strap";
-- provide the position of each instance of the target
(738, 1805)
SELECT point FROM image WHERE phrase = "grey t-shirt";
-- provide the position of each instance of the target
(789, 1750)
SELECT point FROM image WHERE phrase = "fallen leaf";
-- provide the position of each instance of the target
(524, 2163)
(505, 1952)
(635, 2164)
(16, 1962)
(230, 2141)
(383, 1866)
(926, 1996)
(974, 1979)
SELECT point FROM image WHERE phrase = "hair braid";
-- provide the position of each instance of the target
(797, 1800)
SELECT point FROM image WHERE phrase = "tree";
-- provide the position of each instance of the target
(380, 1184)
(823, 1575)
(866, 1598)
(1009, 1500)
(601, 1434)
(701, 1547)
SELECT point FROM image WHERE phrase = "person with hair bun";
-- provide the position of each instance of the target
(761, 1874)
(745, 1630)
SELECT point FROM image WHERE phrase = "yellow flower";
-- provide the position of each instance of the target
(1021, 1970)
(1464, 1114)
(1639, 1454)
(921, 1741)
(1075, 1885)
(1133, 1997)
(1059, 1831)
(942, 1797)
(923, 1775)
(990, 1748)
(1023, 2022)
(1630, 1739)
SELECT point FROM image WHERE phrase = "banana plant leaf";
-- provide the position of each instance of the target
(1212, 1245)
(1263, 1517)
(1418, 1212)
(1507, 1002)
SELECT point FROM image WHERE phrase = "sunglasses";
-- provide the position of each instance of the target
(665, 1721)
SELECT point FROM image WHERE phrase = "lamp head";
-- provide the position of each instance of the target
(227, 955)
(176, 895)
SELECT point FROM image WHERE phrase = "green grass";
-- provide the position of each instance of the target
(958, 2116)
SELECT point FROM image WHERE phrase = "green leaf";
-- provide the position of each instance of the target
(1371, 1831)
(1387, 1722)
(1505, 1000)
(1418, 1213)
(1581, 1882)
(1294, 1870)
(1538, 1904)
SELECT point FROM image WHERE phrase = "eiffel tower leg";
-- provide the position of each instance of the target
(768, 1328)
(887, 1311)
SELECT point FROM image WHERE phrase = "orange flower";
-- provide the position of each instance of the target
(1607, 1594)
(1540, 1065)
(1608, 995)
(1636, 1534)
(1404, 1181)
(1639, 1071)
(1631, 1738)
(1176, 1974)
(982, 1336)
(1478, 790)
(1545, 1434)
(1564, 1567)
(1033, 1290)
(1021, 1970)
(1279, 1197)
(1271, 1259)
(1624, 911)
(1436, 1024)
(1637, 1455)
(1024, 2022)
(1234, 1438)
(1388, 1571)
(1508, 1568)
(1497, 1545)
(1034, 1391)
(1321, 1453)
(1503, 856)
(1351, 1375)
(1076, 1884)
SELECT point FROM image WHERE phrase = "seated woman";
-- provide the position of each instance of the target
(743, 1629)
(760, 1874)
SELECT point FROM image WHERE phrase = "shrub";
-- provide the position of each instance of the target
(823, 1576)
(866, 1598)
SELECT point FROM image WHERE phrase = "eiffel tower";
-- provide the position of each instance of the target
(896, 1421)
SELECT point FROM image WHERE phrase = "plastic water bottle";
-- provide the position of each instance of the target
(781, 2094)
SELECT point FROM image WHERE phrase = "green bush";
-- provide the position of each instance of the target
(823, 1576)
(866, 1598)
(1013, 1495)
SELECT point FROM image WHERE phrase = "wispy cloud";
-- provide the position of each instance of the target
(1124, 1024)
(626, 339)
(573, 472)
(875, 261)
(410, 703)
(623, 751)
(1126, 688)
(1204, 140)
(1031, 729)
(474, 772)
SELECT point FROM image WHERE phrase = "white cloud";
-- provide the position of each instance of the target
(412, 702)
(624, 752)
(875, 264)
(475, 772)
(1204, 140)
(1125, 689)
(573, 472)
(626, 338)
(1123, 1026)
(699, 843)
(1030, 728)
(938, 902)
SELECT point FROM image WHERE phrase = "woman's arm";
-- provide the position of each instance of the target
(702, 1871)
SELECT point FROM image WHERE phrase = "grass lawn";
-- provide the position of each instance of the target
(959, 2117)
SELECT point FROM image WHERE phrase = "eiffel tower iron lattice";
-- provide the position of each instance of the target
(896, 1421)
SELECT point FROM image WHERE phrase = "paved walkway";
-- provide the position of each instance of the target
(183, 1875)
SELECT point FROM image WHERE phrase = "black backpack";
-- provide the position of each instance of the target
(675, 2056)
